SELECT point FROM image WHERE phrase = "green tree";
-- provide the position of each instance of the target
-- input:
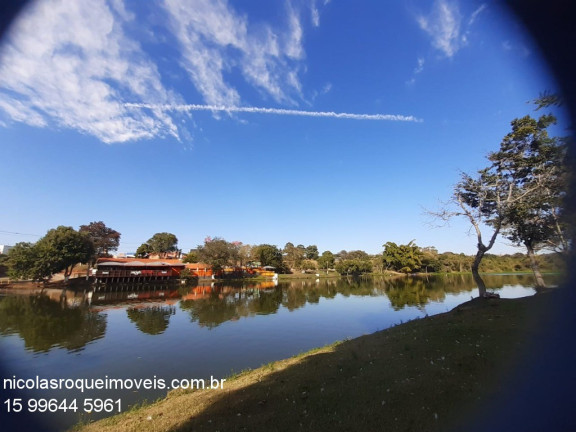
(268, 255)
(162, 243)
(326, 260)
(218, 253)
(519, 194)
(63, 248)
(486, 201)
(3, 265)
(402, 258)
(293, 256)
(191, 257)
(429, 259)
(24, 263)
(353, 267)
(377, 264)
(105, 239)
(59, 250)
(143, 251)
(312, 252)
(309, 265)
(357, 254)
(451, 262)
(535, 164)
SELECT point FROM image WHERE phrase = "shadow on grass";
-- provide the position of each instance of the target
(428, 374)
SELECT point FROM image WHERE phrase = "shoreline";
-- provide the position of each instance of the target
(427, 374)
(60, 283)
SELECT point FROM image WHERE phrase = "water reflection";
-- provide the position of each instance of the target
(70, 320)
(44, 323)
(210, 306)
(121, 293)
(152, 320)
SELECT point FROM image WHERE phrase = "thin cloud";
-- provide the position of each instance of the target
(417, 70)
(315, 15)
(420, 66)
(472, 20)
(66, 64)
(324, 90)
(475, 14)
(275, 111)
(215, 39)
(315, 11)
(522, 49)
(444, 25)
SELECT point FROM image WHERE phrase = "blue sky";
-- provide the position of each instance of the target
(215, 118)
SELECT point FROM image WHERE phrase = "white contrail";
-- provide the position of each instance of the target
(277, 111)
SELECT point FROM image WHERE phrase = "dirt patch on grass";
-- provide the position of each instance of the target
(428, 374)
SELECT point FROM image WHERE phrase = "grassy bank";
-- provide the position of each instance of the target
(427, 374)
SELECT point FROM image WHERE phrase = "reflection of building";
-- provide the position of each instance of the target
(4, 249)
(117, 296)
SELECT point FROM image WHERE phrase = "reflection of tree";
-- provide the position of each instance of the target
(44, 323)
(267, 302)
(418, 291)
(152, 319)
(228, 303)
(231, 302)
(294, 298)
(212, 311)
(414, 294)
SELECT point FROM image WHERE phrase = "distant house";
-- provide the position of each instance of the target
(5, 248)
(125, 255)
(166, 255)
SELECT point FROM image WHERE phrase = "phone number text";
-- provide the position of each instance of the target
(17, 405)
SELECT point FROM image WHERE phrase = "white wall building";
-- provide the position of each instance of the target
(4, 249)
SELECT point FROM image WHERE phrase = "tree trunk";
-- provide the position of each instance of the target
(535, 269)
(68, 272)
(476, 275)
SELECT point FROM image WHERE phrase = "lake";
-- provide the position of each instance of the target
(164, 332)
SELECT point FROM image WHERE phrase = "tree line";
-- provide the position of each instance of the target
(62, 248)
(218, 253)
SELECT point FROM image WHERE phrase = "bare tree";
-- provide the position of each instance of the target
(485, 202)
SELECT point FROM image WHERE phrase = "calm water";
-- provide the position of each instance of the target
(198, 332)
